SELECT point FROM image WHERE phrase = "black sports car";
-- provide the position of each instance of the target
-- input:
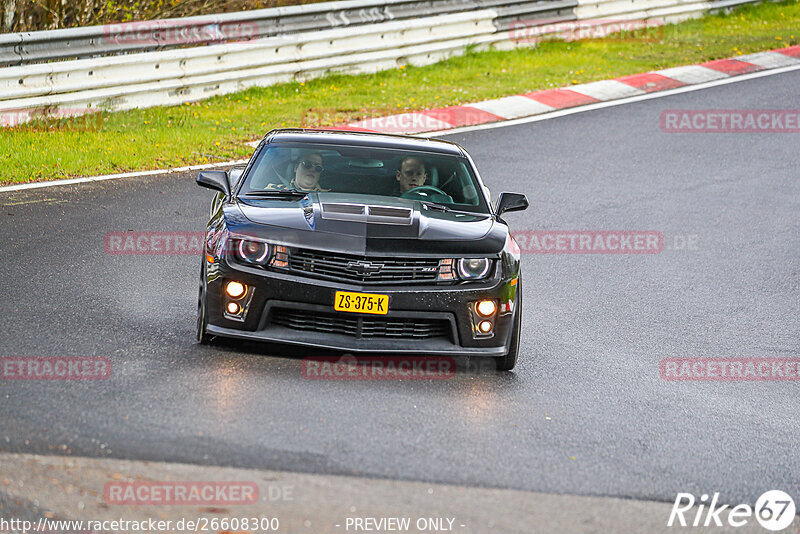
(361, 243)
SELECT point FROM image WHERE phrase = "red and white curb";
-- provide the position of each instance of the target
(539, 102)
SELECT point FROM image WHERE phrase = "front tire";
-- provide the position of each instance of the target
(202, 311)
(509, 361)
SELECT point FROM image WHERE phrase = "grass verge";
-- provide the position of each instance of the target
(216, 129)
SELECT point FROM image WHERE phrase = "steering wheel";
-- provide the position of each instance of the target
(428, 192)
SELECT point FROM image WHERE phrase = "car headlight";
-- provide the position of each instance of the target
(473, 268)
(255, 252)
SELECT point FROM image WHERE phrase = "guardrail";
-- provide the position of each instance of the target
(116, 39)
(126, 79)
(196, 73)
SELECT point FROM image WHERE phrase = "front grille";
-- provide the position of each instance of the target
(360, 326)
(366, 270)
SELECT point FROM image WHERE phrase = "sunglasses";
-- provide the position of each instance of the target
(311, 165)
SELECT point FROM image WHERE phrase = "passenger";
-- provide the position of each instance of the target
(307, 172)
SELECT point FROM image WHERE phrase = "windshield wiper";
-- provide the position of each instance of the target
(435, 206)
(276, 193)
(442, 207)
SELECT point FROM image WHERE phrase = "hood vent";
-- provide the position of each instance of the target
(366, 213)
(386, 211)
(349, 209)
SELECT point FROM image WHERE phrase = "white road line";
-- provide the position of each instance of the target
(71, 181)
(610, 103)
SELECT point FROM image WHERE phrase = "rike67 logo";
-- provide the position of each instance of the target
(774, 510)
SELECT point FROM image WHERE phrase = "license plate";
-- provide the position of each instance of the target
(361, 302)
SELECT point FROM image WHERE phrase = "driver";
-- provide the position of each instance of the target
(307, 172)
(410, 174)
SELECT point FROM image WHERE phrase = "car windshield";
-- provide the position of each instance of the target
(442, 179)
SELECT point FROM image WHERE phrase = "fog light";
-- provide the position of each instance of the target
(233, 308)
(485, 327)
(235, 289)
(485, 308)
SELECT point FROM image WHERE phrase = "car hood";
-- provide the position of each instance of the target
(332, 221)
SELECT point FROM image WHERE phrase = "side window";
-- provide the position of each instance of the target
(468, 191)
(458, 184)
(271, 167)
(234, 175)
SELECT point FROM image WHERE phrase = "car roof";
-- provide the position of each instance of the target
(352, 138)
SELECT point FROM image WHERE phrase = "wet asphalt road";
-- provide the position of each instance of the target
(585, 412)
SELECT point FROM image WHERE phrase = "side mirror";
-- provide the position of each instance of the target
(510, 202)
(217, 180)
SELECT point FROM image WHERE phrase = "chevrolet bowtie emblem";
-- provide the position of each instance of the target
(365, 268)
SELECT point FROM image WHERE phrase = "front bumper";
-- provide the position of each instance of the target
(443, 309)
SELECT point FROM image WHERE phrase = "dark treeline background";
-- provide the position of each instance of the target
(31, 15)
